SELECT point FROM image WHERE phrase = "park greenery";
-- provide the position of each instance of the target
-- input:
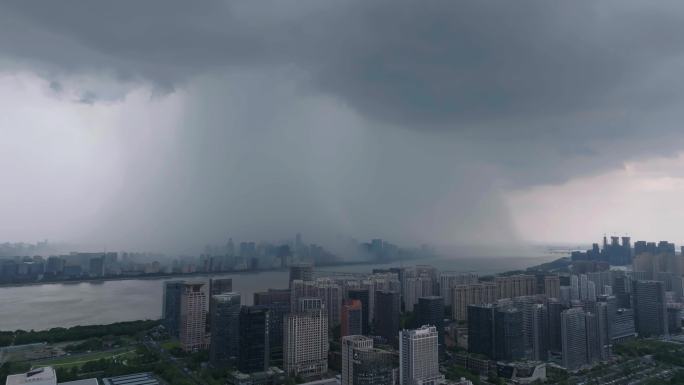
(76, 333)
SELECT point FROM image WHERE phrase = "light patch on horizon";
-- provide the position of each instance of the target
(643, 200)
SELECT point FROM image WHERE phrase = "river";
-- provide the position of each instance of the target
(46, 306)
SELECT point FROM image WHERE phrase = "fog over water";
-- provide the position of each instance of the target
(62, 305)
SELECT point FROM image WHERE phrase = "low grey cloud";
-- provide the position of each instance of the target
(462, 99)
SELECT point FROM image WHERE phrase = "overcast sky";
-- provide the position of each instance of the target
(170, 124)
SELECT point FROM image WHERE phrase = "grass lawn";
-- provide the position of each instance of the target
(80, 359)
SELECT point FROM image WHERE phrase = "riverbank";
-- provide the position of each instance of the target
(156, 276)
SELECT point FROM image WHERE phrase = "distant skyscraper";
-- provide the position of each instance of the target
(419, 357)
(306, 339)
(387, 309)
(650, 309)
(331, 294)
(574, 338)
(552, 286)
(171, 308)
(220, 286)
(96, 266)
(254, 339)
(224, 347)
(362, 295)
(193, 316)
(302, 272)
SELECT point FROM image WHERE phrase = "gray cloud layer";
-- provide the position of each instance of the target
(456, 99)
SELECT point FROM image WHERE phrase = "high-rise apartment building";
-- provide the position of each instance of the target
(193, 316)
(419, 357)
(473, 294)
(552, 286)
(306, 339)
(449, 280)
(574, 338)
(224, 346)
(515, 286)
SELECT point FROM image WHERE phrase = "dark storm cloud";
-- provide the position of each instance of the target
(461, 98)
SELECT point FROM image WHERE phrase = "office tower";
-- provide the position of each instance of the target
(416, 287)
(591, 292)
(271, 296)
(583, 287)
(363, 296)
(674, 320)
(540, 332)
(350, 346)
(481, 330)
(430, 311)
(473, 294)
(622, 326)
(224, 345)
(526, 306)
(254, 351)
(593, 347)
(449, 280)
(331, 294)
(277, 301)
(552, 286)
(351, 318)
(96, 267)
(650, 312)
(509, 341)
(55, 265)
(220, 286)
(574, 338)
(565, 295)
(515, 286)
(306, 339)
(374, 367)
(554, 325)
(419, 357)
(603, 319)
(574, 288)
(388, 308)
(301, 289)
(622, 291)
(301, 272)
(193, 316)
(171, 306)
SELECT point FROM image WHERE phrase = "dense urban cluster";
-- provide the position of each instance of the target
(21, 262)
(396, 325)
(611, 314)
